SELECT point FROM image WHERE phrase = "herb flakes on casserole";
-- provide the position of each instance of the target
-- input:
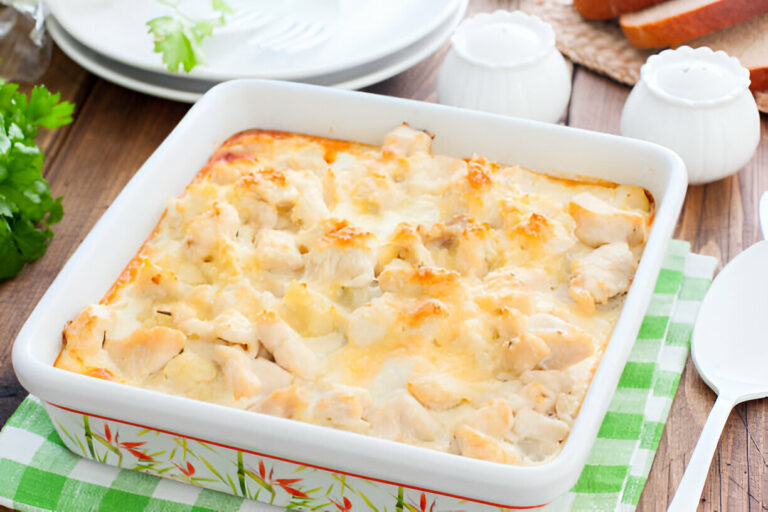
(460, 305)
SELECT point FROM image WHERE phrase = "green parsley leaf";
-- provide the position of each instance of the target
(27, 208)
(179, 38)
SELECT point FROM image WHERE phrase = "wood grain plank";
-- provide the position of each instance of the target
(719, 219)
(114, 132)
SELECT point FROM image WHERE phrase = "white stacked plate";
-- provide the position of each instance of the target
(369, 41)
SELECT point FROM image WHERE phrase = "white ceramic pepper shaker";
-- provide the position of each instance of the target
(506, 62)
(697, 103)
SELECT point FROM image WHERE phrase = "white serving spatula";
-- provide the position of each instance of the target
(730, 350)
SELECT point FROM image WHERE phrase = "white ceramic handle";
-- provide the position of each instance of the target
(763, 213)
(692, 484)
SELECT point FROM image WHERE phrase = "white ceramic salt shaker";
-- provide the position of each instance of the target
(697, 103)
(506, 62)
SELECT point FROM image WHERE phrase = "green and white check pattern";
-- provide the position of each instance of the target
(38, 473)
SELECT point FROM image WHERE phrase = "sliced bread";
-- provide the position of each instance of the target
(604, 9)
(749, 42)
(677, 21)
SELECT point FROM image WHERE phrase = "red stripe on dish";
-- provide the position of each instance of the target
(273, 457)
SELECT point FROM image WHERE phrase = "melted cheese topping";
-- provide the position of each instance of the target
(460, 305)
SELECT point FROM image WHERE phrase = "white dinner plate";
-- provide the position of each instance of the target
(187, 89)
(367, 30)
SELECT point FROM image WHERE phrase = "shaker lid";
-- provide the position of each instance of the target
(503, 39)
(695, 77)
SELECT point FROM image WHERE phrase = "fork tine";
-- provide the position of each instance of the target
(310, 32)
(295, 31)
(276, 30)
(321, 36)
(252, 18)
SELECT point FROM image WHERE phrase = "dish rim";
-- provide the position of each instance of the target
(363, 455)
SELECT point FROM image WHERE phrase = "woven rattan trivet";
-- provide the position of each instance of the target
(598, 45)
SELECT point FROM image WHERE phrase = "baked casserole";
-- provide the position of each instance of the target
(456, 304)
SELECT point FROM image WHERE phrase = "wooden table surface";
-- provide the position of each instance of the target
(116, 129)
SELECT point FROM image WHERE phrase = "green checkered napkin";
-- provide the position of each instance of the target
(38, 473)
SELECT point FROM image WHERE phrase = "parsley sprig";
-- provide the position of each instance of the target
(179, 38)
(27, 208)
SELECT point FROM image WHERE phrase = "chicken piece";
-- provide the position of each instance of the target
(256, 213)
(85, 334)
(567, 343)
(243, 297)
(277, 250)
(145, 351)
(567, 406)
(418, 282)
(512, 278)
(372, 322)
(375, 192)
(525, 352)
(494, 418)
(404, 141)
(284, 402)
(602, 274)
(540, 398)
(477, 251)
(310, 207)
(405, 244)
(271, 186)
(158, 284)
(285, 345)
(598, 222)
(272, 376)
(510, 322)
(341, 256)
(401, 417)
(234, 328)
(206, 231)
(530, 424)
(343, 406)
(463, 245)
(435, 391)
(475, 444)
(236, 368)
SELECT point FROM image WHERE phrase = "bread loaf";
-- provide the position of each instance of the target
(748, 41)
(677, 21)
(604, 9)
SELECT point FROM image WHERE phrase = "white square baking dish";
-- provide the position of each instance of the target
(389, 469)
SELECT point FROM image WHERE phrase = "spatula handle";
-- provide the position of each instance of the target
(692, 484)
